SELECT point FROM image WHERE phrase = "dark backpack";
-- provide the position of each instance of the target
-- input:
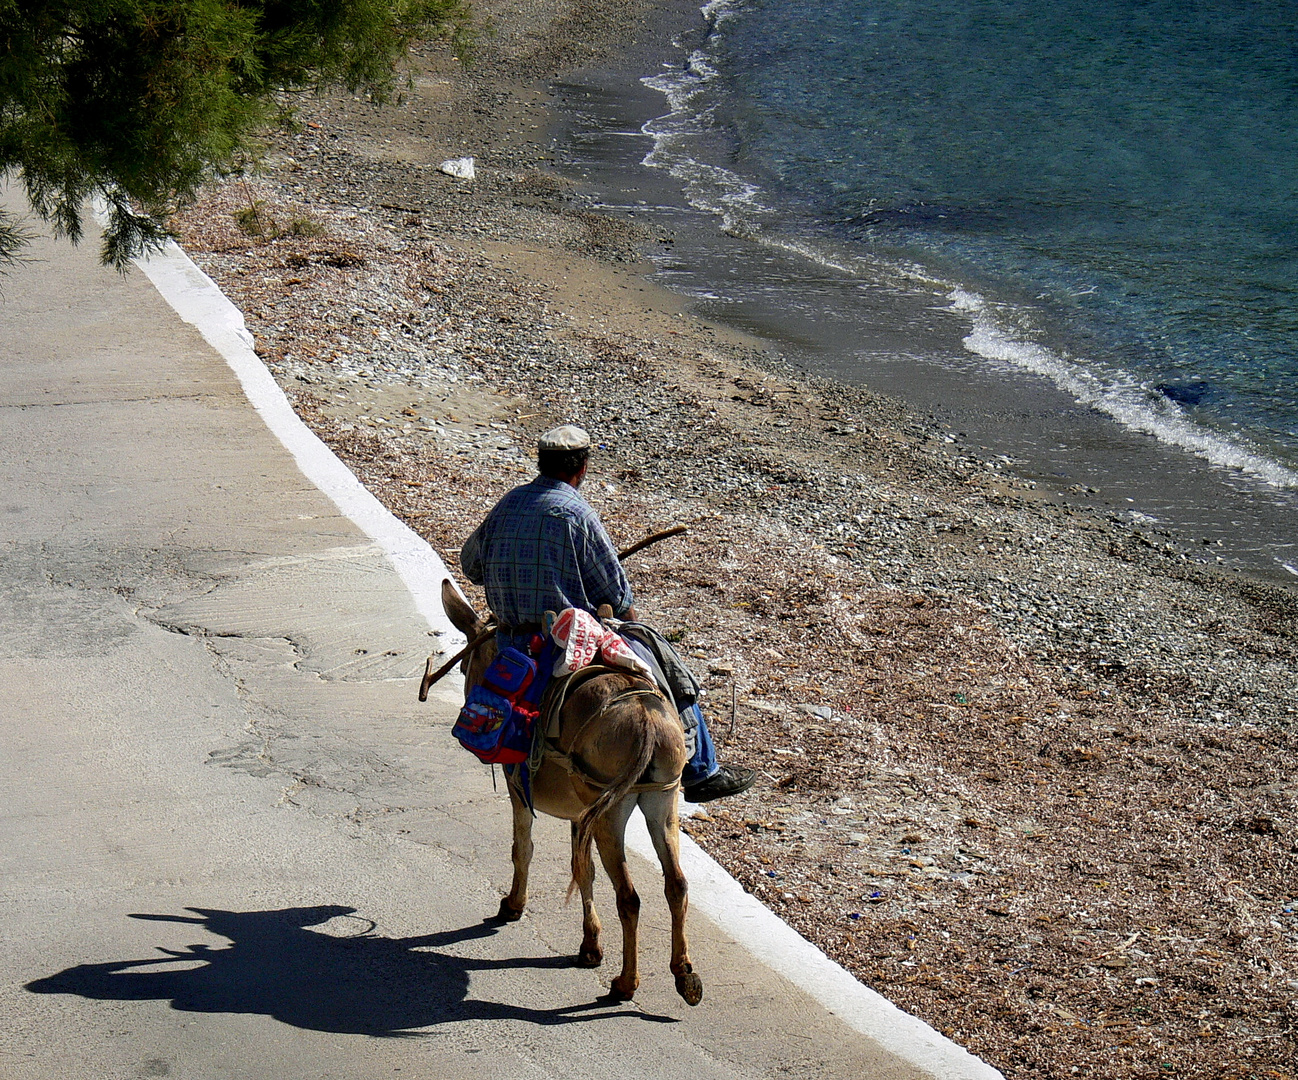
(678, 680)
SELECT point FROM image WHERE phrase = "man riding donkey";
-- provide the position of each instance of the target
(543, 548)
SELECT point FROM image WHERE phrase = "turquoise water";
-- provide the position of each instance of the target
(1106, 193)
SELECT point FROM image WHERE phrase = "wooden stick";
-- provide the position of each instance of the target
(431, 676)
(652, 538)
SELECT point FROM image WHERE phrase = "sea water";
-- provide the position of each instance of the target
(1097, 195)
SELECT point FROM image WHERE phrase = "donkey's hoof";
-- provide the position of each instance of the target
(507, 913)
(690, 987)
(590, 958)
(622, 991)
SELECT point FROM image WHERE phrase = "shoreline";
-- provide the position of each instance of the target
(1000, 397)
(1025, 733)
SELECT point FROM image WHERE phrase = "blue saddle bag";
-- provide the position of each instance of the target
(497, 722)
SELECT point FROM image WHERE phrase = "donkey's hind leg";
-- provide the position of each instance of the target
(591, 954)
(660, 813)
(512, 905)
(610, 839)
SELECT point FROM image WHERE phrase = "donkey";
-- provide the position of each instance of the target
(620, 745)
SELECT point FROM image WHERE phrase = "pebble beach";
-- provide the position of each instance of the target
(1027, 771)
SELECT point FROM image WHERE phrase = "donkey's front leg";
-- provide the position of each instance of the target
(511, 906)
(660, 813)
(592, 954)
(610, 838)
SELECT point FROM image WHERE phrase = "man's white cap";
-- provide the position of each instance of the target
(567, 437)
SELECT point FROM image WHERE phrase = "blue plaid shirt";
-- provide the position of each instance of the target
(542, 548)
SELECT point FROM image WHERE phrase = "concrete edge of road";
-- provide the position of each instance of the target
(199, 302)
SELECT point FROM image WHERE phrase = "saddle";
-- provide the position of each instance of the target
(545, 739)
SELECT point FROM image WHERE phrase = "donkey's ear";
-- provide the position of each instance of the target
(457, 609)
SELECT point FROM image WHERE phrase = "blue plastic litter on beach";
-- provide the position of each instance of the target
(876, 896)
(854, 915)
(771, 873)
(905, 851)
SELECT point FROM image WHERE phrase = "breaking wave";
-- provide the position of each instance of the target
(1117, 394)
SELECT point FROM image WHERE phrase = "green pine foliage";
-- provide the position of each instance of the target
(140, 101)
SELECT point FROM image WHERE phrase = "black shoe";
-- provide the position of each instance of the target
(727, 780)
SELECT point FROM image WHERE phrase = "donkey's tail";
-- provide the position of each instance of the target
(642, 755)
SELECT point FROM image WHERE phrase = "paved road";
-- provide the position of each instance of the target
(232, 844)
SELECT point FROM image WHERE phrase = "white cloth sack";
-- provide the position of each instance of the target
(583, 638)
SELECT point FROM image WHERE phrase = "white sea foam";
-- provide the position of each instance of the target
(1115, 393)
(717, 11)
(821, 256)
(714, 189)
(711, 188)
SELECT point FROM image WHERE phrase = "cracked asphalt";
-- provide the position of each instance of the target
(232, 843)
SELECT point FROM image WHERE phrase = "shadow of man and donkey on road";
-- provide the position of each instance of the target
(363, 984)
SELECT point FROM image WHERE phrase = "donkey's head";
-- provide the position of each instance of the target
(466, 620)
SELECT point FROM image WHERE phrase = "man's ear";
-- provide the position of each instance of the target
(581, 474)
